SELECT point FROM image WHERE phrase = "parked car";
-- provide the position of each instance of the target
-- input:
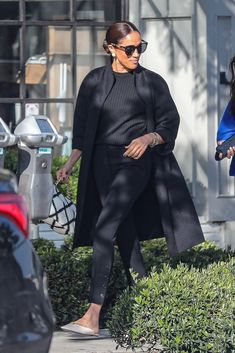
(26, 316)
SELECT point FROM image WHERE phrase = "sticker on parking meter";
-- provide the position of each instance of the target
(44, 150)
(1, 150)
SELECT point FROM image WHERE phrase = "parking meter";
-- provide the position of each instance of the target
(6, 139)
(37, 138)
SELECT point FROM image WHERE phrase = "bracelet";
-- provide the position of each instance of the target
(155, 139)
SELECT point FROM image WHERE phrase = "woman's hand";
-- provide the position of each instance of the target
(138, 146)
(230, 151)
(64, 172)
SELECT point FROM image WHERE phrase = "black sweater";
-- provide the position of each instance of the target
(123, 114)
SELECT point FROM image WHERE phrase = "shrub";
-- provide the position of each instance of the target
(69, 273)
(11, 158)
(155, 254)
(185, 311)
(69, 276)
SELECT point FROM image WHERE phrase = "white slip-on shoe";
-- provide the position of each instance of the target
(73, 327)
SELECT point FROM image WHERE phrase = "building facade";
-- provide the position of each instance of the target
(190, 45)
(48, 46)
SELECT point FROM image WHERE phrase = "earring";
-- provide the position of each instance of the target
(113, 55)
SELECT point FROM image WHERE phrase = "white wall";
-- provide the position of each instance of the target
(190, 42)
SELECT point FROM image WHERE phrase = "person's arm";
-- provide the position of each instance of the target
(80, 115)
(166, 119)
(156, 139)
(138, 146)
(79, 126)
(226, 130)
(64, 172)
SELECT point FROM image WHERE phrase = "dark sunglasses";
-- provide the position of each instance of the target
(130, 49)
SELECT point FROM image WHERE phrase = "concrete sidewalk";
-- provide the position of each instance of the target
(68, 342)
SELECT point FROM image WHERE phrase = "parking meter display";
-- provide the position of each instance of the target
(44, 126)
(44, 150)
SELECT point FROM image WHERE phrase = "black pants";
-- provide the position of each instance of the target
(119, 181)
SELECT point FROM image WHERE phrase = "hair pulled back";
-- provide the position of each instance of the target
(232, 85)
(116, 32)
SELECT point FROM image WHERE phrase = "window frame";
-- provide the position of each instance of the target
(122, 7)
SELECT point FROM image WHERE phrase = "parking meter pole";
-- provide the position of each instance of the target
(6, 139)
(37, 138)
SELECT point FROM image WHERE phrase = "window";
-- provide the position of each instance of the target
(90, 53)
(48, 68)
(47, 10)
(9, 61)
(9, 10)
(10, 113)
(100, 11)
(47, 47)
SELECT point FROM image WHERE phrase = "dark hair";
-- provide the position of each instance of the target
(232, 85)
(118, 31)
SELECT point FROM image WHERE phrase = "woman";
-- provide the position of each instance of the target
(130, 186)
(227, 124)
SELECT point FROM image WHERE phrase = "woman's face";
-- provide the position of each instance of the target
(123, 62)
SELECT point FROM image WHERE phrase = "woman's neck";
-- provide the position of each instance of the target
(119, 68)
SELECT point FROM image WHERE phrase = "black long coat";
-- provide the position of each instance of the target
(165, 208)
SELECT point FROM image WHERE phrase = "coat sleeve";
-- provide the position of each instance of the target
(166, 116)
(80, 112)
(227, 124)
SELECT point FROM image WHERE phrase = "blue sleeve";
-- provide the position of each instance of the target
(227, 124)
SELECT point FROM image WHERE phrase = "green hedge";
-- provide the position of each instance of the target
(179, 310)
(11, 157)
(69, 276)
(69, 273)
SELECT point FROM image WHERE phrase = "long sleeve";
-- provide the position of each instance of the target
(81, 111)
(79, 119)
(225, 130)
(165, 115)
(227, 125)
